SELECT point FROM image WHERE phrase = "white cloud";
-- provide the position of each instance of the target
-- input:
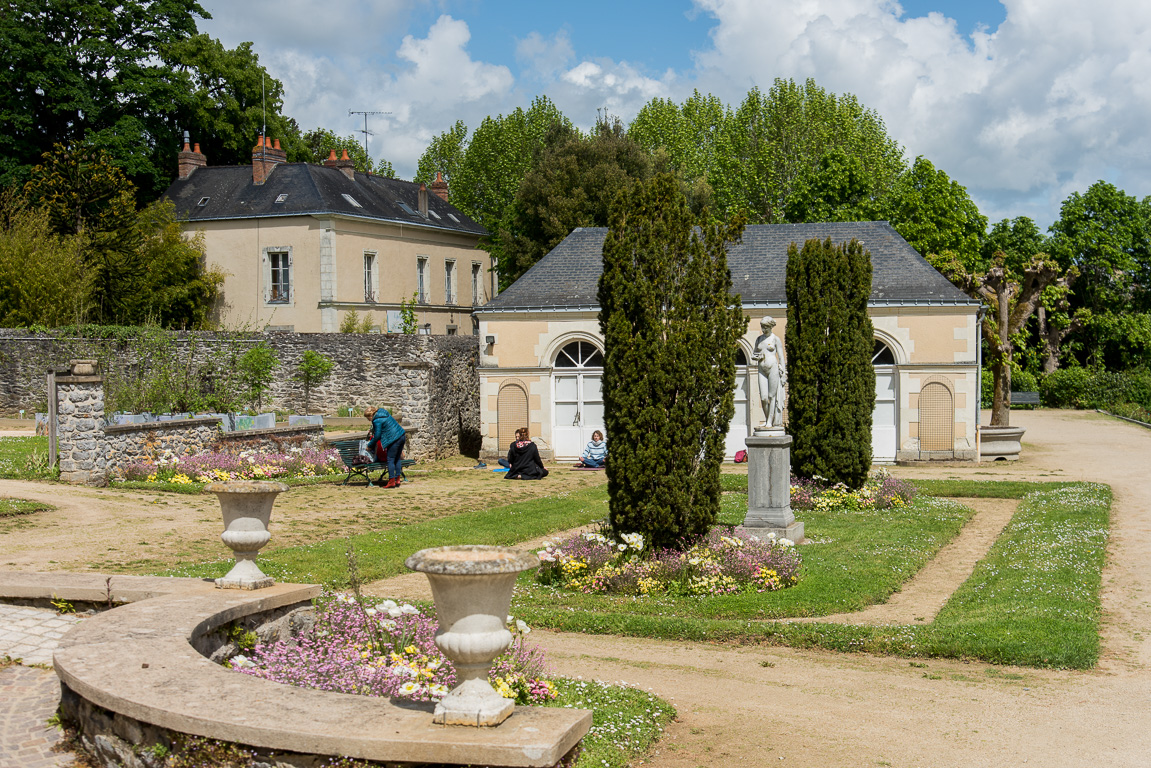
(1053, 99)
(544, 57)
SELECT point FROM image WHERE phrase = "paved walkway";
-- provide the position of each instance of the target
(29, 695)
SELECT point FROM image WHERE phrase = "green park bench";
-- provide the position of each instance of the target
(349, 449)
(1024, 398)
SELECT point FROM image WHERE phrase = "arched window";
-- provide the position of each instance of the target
(579, 354)
(881, 354)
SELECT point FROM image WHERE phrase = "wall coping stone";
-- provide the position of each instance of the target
(65, 379)
(295, 429)
(202, 421)
(137, 660)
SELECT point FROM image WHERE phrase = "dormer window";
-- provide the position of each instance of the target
(203, 202)
(352, 200)
(281, 198)
(405, 207)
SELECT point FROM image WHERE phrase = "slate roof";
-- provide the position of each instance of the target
(566, 278)
(311, 190)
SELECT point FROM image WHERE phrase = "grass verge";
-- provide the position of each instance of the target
(25, 458)
(14, 507)
(382, 554)
(625, 721)
(198, 488)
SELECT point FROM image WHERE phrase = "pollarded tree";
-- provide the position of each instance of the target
(670, 328)
(829, 344)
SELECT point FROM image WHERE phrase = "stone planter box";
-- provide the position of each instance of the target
(1000, 443)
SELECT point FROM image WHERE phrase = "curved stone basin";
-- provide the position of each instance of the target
(138, 661)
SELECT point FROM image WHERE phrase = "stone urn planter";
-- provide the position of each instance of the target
(1000, 443)
(472, 588)
(247, 509)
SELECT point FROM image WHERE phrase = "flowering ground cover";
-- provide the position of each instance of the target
(210, 467)
(726, 561)
(881, 491)
(380, 648)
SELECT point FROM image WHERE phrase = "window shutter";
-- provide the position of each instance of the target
(291, 279)
(267, 269)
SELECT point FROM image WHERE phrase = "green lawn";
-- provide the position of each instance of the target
(13, 507)
(1033, 600)
(25, 458)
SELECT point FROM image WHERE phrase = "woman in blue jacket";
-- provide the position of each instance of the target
(387, 440)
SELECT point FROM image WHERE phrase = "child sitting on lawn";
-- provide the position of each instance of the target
(595, 454)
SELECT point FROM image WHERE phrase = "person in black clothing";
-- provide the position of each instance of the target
(524, 459)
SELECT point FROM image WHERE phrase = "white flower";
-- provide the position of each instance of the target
(370, 611)
(239, 661)
(522, 627)
(407, 689)
(438, 689)
(388, 624)
(387, 605)
(771, 535)
(401, 671)
(786, 543)
(409, 609)
(622, 547)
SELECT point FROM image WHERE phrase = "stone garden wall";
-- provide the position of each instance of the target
(431, 380)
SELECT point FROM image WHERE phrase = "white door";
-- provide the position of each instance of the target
(885, 417)
(577, 398)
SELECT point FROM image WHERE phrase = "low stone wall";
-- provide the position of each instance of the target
(432, 380)
(274, 440)
(125, 444)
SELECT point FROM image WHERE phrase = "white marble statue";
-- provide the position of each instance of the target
(772, 363)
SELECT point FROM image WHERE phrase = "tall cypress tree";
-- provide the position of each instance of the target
(670, 328)
(829, 343)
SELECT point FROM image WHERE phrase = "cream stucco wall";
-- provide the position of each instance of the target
(328, 272)
(937, 343)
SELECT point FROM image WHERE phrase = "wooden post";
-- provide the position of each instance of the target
(52, 418)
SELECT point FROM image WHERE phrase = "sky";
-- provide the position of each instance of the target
(1021, 101)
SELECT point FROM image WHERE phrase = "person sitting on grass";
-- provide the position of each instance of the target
(524, 459)
(595, 454)
(386, 440)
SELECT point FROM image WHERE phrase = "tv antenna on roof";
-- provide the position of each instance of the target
(366, 132)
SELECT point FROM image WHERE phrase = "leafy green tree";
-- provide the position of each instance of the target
(313, 368)
(572, 183)
(409, 323)
(829, 345)
(444, 155)
(768, 149)
(498, 157)
(179, 290)
(43, 273)
(837, 190)
(1106, 235)
(320, 142)
(934, 213)
(257, 370)
(1013, 293)
(670, 328)
(81, 191)
(95, 72)
(231, 97)
(687, 133)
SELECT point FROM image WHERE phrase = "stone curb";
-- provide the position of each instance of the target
(139, 661)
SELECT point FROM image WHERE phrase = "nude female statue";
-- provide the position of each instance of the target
(772, 371)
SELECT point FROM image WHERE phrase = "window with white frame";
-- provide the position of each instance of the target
(278, 275)
(449, 281)
(371, 279)
(477, 283)
(422, 279)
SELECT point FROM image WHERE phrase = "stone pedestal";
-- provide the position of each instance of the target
(769, 486)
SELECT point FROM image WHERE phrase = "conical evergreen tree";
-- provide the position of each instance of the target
(670, 328)
(829, 343)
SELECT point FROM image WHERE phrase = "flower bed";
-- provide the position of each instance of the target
(723, 562)
(385, 649)
(249, 465)
(881, 491)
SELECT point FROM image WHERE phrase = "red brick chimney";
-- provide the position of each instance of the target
(190, 159)
(346, 165)
(440, 187)
(423, 199)
(265, 157)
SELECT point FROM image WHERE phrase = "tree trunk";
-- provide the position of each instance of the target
(1001, 399)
